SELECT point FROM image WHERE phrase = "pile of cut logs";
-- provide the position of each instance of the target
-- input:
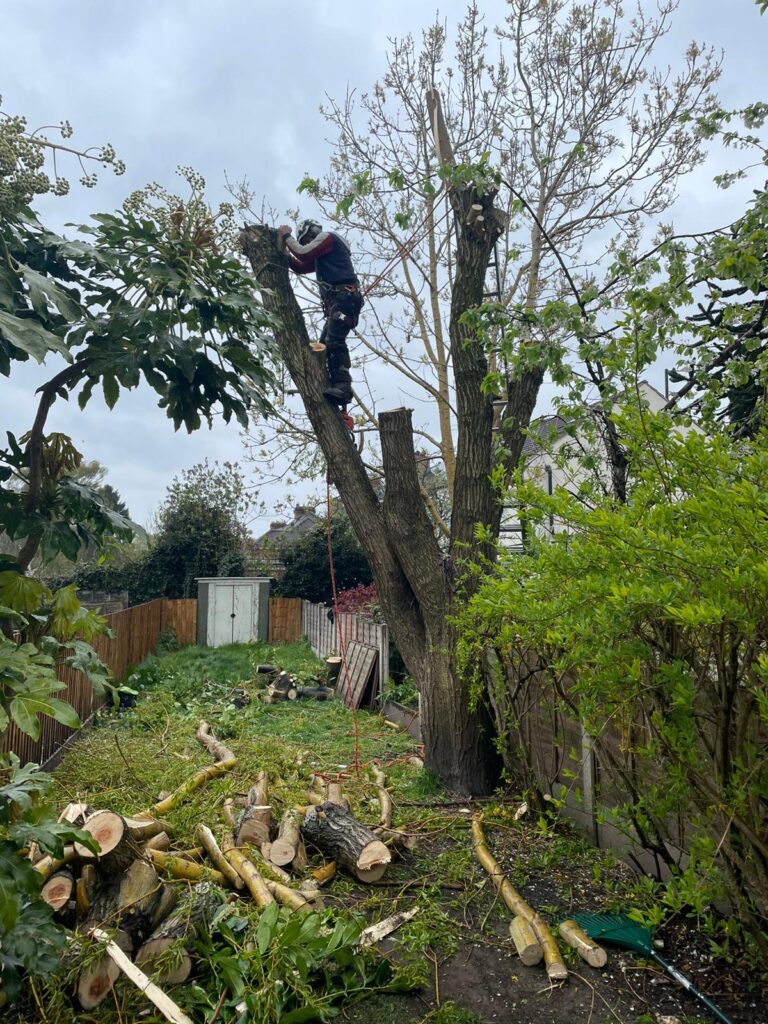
(282, 686)
(125, 886)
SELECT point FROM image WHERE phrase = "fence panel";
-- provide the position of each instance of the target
(323, 634)
(136, 631)
(181, 617)
(285, 620)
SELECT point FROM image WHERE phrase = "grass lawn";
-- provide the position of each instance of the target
(454, 960)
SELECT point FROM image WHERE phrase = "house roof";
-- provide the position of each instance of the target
(543, 430)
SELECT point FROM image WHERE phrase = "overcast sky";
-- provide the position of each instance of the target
(233, 86)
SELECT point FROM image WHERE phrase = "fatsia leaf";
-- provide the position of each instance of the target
(31, 337)
(22, 593)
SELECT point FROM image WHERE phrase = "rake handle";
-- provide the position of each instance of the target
(690, 987)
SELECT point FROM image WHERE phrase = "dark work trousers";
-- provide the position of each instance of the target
(342, 310)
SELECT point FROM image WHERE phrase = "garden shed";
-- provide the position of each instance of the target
(232, 610)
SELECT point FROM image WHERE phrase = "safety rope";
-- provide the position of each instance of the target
(405, 249)
(337, 620)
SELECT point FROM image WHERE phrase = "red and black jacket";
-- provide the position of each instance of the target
(328, 255)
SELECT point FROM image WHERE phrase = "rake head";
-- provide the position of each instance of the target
(617, 930)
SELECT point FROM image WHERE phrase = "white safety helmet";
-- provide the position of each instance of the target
(306, 227)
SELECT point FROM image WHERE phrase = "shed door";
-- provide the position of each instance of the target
(221, 615)
(243, 613)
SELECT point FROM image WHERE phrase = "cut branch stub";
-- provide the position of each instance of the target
(256, 817)
(334, 831)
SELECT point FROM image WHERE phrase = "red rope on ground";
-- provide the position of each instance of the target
(337, 620)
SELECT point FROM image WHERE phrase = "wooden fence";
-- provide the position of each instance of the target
(136, 632)
(323, 635)
(284, 620)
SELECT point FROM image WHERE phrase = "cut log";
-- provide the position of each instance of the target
(95, 982)
(194, 853)
(255, 884)
(228, 814)
(265, 864)
(283, 683)
(284, 848)
(192, 916)
(211, 847)
(85, 891)
(315, 692)
(215, 748)
(169, 897)
(287, 896)
(333, 669)
(177, 867)
(128, 902)
(526, 943)
(292, 693)
(59, 890)
(556, 969)
(257, 816)
(161, 841)
(116, 847)
(587, 948)
(164, 1003)
(143, 829)
(47, 865)
(213, 771)
(266, 670)
(334, 831)
(415, 761)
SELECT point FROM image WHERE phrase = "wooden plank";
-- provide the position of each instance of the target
(357, 682)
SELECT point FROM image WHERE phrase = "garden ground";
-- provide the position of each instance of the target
(455, 956)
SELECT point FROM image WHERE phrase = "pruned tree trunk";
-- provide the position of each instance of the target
(334, 831)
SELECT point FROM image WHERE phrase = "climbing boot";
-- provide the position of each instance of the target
(341, 395)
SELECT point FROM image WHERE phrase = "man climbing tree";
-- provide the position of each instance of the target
(328, 255)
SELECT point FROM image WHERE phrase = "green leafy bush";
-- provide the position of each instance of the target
(647, 622)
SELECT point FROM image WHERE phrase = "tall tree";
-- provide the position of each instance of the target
(590, 146)
(586, 139)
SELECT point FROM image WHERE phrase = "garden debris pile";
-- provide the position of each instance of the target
(246, 867)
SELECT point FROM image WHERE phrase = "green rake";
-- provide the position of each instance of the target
(620, 930)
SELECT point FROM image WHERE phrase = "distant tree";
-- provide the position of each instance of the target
(307, 570)
(201, 531)
(94, 474)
